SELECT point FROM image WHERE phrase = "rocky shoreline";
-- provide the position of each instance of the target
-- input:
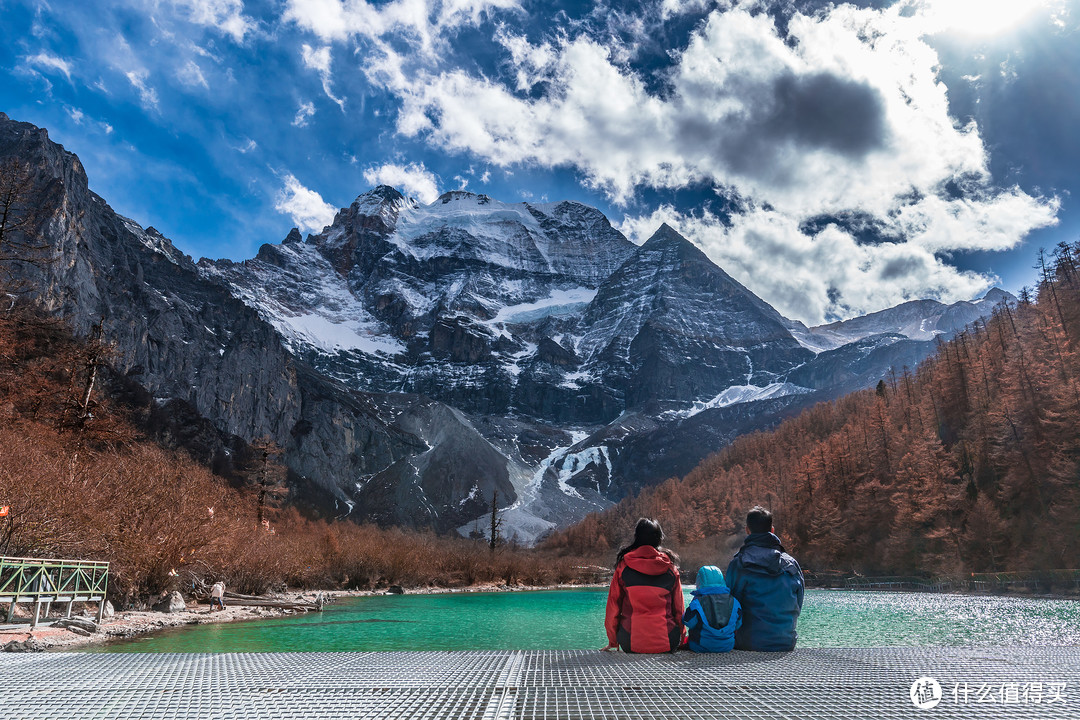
(124, 624)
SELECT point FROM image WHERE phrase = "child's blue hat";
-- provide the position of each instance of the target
(710, 575)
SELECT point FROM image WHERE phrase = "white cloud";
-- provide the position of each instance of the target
(531, 63)
(147, 94)
(669, 8)
(413, 179)
(77, 116)
(247, 147)
(825, 123)
(815, 277)
(49, 62)
(191, 75)
(424, 22)
(303, 113)
(843, 116)
(227, 16)
(319, 60)
(976, 18)
(308, 210)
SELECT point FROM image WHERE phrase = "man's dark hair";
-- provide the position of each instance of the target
(759, 520)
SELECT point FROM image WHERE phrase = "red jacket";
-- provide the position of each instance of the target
(645, 603)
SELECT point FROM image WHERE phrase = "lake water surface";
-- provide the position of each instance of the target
(574, 619)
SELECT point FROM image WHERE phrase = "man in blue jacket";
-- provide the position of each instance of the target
(769, 584)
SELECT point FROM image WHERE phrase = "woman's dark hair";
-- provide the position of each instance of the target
(647, 532)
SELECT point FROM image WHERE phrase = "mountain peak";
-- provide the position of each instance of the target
(666, 234)
(996, 295)
(379, 196)
(462, 195)
(672, 244)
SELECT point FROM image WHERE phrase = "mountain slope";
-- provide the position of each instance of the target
(183, 337)
(413, 359)
(915, 320)
(669, 325)
(966, 465)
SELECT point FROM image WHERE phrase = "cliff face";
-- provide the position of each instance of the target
(182, 337)
(412, 360)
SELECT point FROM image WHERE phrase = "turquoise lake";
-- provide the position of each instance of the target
(574, 619)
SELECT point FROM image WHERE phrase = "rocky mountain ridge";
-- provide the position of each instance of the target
(413, 359)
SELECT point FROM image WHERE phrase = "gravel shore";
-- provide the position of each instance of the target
(122, 625)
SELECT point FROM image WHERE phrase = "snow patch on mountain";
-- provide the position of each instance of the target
(915, 320)
(295, 289)
(320, 332)
(573, 463)
(513, 365)
(741, 394)
(426, 231)
(559, 302)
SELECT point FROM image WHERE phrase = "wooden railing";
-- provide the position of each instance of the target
(43, 582)
(1034, 580)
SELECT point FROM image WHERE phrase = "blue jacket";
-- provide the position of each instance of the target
(769, 584)
(712, 619)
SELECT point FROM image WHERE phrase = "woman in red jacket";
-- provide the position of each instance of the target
(645, 602)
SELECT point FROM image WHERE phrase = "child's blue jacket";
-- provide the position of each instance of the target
(712, 619)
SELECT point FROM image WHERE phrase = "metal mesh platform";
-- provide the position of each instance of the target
(820, 684)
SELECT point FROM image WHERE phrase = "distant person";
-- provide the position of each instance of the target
(714, 614)
(769, 584)
(645, 602)
(217, 595)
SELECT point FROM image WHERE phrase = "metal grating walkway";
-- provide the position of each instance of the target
(818, 684)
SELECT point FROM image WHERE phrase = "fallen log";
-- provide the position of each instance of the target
(281, 604)
(87, 626)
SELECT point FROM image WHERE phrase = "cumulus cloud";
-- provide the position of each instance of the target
(826, 272)
(303, 113)
(308, 210)
(319, 61)
(841, 114)
(50, 63)
(227, 16)
(413, 179)
(815, 277)
(823, 121)
(147, 94)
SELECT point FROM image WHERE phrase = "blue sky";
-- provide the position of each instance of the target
(836, 159)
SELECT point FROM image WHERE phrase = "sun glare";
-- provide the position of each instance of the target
(977, 17)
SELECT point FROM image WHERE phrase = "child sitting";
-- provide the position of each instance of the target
(714, 615)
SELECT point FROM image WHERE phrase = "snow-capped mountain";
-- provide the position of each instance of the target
(915, 320)
(414, 359)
